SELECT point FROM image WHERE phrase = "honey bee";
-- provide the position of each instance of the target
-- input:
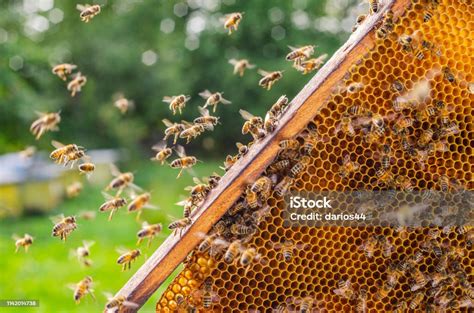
(448, 74)
(232, 21)
(180, 225)
(206, 294)
(162, 152)
(289, 144)
(28, 152)
(121, 180)
(123, 104)
(407, 42)
(420, 280)
(348, 167)
(251, 198)
(243, 149)
(383, 291)
(299, 166)
(262, 185)
(393, 275)
(386, 27)
(269, 78)
(298, 54)
(253, 125)
(86, 168)
(386, 246)
(283, 186)
(385, 156)
(447, 184)
(288, 248)
(60, 154)
(115, 304)
(374, 135)
(63, 226)
(427, 15)
(310, 65)
(345, 126)
(112, 204)
(127, 257)
(397, 86)
(260, 215)
(270, 123)
(45, 122)
(401, 125)
(241, 65)
(369, 246)
(450, 129)
(173, 129)
(361, 306)
(73, 156)
(445, 298)
(306, 304)
(385, 177)
(148, 231)
(87, 215)
(183, 162)
(374, 5)
(345, 289)
(26, 241)
(176, 103)
(250, 255)
(194, 130)
(233, 251)
(74, 189)
(63, 70)
(437, 278)
(213, 99)
(229, 162)
(139, 203)
(88, 11)
(279, 106)
(206, 119)
(82, 288)
(404, 183)
(82, 253)
(359, 20)
(426, 113)
(354, 87)
(76, 84)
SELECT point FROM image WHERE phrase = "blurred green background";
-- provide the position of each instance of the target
(145, 50)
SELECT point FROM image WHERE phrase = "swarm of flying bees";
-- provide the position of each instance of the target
(77, 81)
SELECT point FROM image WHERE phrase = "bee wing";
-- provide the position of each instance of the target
(225, 101)
(167, 122)
(16, 237)
(183, 202)
(57, 144)
(151, 207)
(82, 7)
(250, 66)
(233, 61)
(167, 99)
(292, 48)
(196, 180)
(203, 111)
(221, 242)
(246, 115)
(88, 243)
(187, 124)
(107, 196)
(57, 218)
(122, 250)
(180, 151)
(262, 72)
(322, 57)
(159, 146)
(40, 114)
(205, 94)
(129, 304)
(71, 286)
(114, 169)
(145, 224)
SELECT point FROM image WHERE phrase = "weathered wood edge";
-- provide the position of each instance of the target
(302, 110)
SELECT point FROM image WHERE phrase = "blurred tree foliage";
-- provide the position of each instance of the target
(147, 50)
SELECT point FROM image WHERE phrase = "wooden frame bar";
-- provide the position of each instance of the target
(302, 110)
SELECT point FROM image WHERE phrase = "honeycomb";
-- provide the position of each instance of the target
(332, 254)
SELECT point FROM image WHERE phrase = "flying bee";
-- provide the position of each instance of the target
(82, 253)
(28, 152)
(310, 65)
(112, 204)
(87, 215)
(73, 156)
(199, 189)
(183, 162)
(86, 168)
(63, 226)
(180, 225)
(359, 20)
(45, 122)
(63, 70)
(345, 289)
(345, 126)
(173, 129)
(148, 231)
(369, 246)
(176, 103)
(269, 78)
(374, 5)
(298, 54)
(288, 248)
(123, 104)
(348, 167)
(386, 27)
(401, 125)
(299, 166)
(139, 203)
(213, 99)
(162, 152)
(448, 74)
(361, 306)
(253, 125)
(26, 241)
(241, 65)
(82, 288)
(420, 280)
(232, 21)
(88, 11)
(121, 180)
(279, 106)
(76, 84)
(127, 257)
(59, 155)
(194, 130)
(115, 304)
(205, 118)
(74, 189)
(283, 186)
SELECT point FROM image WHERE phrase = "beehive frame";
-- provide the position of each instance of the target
(315, 99)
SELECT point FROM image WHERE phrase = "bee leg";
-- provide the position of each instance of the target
(179, 174)
(149, 242)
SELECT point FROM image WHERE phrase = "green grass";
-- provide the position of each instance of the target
(46, 270)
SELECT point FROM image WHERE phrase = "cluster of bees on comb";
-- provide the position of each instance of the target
(418, 268)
